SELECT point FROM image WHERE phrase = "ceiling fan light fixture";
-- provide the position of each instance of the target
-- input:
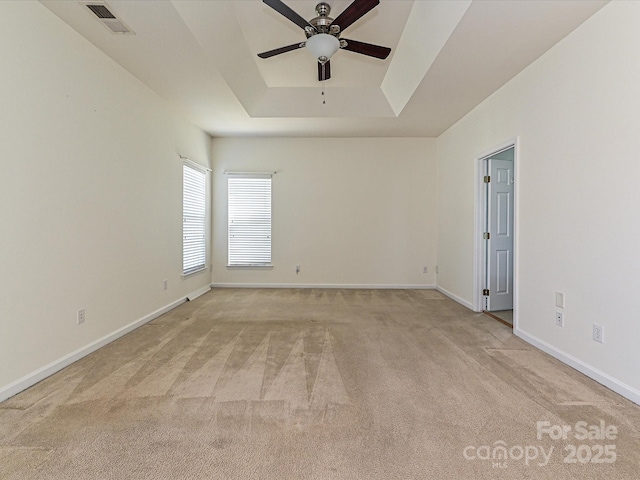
(322, 46)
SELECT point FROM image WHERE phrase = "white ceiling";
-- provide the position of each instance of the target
(447, 56)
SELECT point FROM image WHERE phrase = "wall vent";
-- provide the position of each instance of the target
(105, 15)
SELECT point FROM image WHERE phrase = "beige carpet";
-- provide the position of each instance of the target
(318, 384)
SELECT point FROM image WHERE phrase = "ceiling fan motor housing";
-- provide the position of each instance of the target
(322, 23)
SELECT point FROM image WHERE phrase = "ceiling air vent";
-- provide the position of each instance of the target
(104, 14)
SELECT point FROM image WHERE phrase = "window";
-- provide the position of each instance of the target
(249, 198)
(194, 219)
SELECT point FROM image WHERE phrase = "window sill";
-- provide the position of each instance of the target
(250, 267)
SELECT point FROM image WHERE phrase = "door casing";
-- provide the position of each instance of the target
(480, 212)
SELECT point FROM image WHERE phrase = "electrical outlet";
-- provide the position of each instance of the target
(166, 284)
(425, 269)
(560, 319)
(81, 316)
(598, 333)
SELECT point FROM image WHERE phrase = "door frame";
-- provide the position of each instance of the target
(479, 269)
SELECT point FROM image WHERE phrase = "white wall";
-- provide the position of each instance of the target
(359, 211)
(90, 196)
(576, 112)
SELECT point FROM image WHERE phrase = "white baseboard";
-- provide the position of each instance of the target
(608, 381)
(324, 285)
(455, 298)
(197, 293)
(36, 376)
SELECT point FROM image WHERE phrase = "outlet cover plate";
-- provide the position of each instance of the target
(598, 333)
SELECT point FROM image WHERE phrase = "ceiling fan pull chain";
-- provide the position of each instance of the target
(324, 98)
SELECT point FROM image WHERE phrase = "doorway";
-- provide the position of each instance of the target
(495, 221)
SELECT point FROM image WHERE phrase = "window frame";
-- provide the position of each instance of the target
(263, 222)
(198, 219)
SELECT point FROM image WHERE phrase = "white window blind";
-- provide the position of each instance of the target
(194, 209)
(249, 199)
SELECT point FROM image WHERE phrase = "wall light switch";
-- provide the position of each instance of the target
(559, 299)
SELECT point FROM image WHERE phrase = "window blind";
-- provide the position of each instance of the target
(194, 222)
(249, 200)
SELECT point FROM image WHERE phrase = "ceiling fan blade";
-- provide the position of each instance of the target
(280, 50)
(324, 71)
(367, 49)
(353, 12)
(286, 11)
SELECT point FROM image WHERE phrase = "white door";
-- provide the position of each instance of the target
(500, 229)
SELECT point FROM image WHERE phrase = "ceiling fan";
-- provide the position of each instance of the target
(323, 33)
